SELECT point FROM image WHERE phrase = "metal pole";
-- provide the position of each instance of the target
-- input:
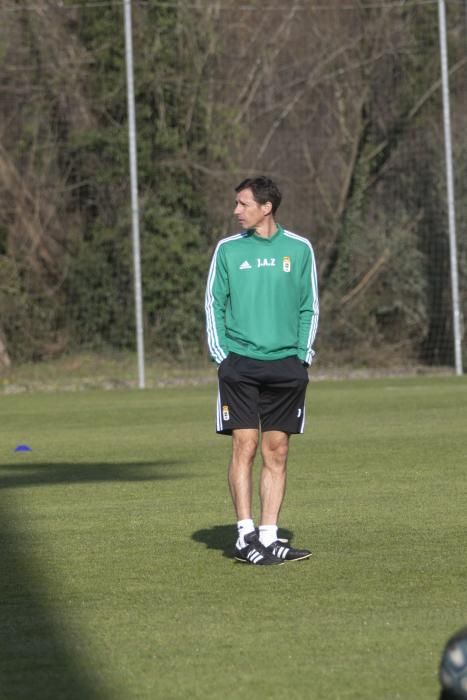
(450, 190)
(134, 192)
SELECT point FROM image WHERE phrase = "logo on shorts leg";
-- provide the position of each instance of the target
(299, 413)
(225, 413)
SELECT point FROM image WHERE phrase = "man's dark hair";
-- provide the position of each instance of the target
(263, 189)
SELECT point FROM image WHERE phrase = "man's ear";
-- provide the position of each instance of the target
(267, 207)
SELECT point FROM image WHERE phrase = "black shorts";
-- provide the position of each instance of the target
(261, 394)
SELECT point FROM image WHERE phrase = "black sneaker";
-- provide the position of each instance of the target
(256, 553)
(280, 549)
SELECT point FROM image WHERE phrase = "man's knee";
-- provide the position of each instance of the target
(275, 447)
(244, 444)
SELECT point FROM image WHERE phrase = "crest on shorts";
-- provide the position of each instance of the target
(225, 413)
(286, 263)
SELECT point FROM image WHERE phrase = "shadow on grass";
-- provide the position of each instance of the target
(222, 538)
(39, 658)
(22, 474)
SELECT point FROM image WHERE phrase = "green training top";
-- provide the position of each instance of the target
(262, 297)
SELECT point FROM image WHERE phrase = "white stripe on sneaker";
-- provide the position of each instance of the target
(254, 556)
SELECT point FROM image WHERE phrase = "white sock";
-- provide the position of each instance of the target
(267, 534)
(244, 527)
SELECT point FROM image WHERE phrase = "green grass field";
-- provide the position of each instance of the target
(116, 581)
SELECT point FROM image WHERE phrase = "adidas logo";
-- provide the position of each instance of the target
(245, 265)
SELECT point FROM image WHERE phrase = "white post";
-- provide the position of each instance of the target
(134, 191)
(456, 313)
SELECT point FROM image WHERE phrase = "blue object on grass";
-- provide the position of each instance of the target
(23, 448)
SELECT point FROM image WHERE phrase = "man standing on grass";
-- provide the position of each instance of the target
(262, 317)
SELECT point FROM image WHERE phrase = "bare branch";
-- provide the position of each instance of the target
(255, 76)
(314, 79)
(367, 278)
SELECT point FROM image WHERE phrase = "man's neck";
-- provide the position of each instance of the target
(267, 229)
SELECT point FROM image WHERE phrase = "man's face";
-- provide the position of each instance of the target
(249, 213)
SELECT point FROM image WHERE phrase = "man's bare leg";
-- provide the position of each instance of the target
(244, 445)
(274, 448)
(248, 547)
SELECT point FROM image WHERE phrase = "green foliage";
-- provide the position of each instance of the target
(27, 315)
(171, 130)
(99, 286)
(3, 240)
(375, 295)
(174, 270)
(387, 293)
(349, 122)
